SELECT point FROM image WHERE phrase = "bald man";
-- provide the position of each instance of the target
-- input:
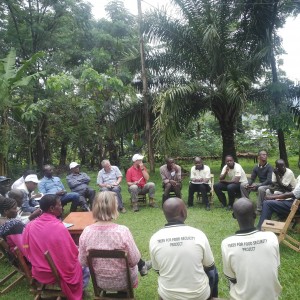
(251, 257)
(182, 256)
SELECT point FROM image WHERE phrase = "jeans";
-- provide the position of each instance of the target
(70, 197)
(281, 207)
(117, 190)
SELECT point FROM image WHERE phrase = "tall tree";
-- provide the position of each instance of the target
(12, 78)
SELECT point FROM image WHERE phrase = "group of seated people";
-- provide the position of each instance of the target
(175, 250)
(250, 257)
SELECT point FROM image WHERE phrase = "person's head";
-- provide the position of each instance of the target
(4, 185)
(28, 172)
(262, 156)
(8, 207)
(280, 166)
(106, 165)
(198, 163)
(105, 206)
(170, 163)
(51, 204)
(31, 181)
(74, 167)
(17, 195)
(137, 159)
(48, 171)
(229, 161)
(174, 210)
(244, 213)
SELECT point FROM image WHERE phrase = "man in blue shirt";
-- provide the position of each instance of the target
(52, 185)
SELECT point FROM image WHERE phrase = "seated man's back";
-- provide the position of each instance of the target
(251, 258)
(181, 254)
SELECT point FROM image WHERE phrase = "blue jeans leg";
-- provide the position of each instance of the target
(282, 208)
(70, 197)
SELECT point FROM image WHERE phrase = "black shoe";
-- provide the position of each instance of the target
(229, 207)
(207, 207)
(147, 266)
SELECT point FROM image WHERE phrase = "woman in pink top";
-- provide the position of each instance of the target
(106, 235)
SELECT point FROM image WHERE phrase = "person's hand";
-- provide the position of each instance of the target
(35, 214)
(141, 165)
(60, 193)
(173, 182)
(201, 180)
(270, 197)
(108, 186)
(227, 170)
(38, 195)
(276, 172)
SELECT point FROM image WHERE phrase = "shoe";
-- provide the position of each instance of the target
(153, 204)
(85, 207)
(229, 207)
(146, 268)
(207, 207)
(123, 210)
(135, 208)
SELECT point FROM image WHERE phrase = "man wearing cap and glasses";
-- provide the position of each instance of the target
(29, 204)
(78, 183)
(137, 177)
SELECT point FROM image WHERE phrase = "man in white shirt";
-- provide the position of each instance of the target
(200, 182)
(232, 175)
(251, 258)
(280, 204)
(21, 180)
(183, 258)
(283, 179)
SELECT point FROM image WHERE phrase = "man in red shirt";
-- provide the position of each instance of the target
(136, 177)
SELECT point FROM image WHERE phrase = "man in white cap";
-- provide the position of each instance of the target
(29, 204)
(137, 177)
(78, 183)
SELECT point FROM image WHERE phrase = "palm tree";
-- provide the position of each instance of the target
(218, 57)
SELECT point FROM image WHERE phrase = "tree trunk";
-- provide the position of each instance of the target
(146, 96)
(282, 147)
(63, 153)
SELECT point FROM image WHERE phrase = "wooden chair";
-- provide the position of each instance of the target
(281, 228)
(101, 294)
(142, 199)
(51, 290)
(16, 274)
(210, 194)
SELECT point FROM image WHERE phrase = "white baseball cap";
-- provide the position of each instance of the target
(74, 165)
(136, 157)
(32, 178)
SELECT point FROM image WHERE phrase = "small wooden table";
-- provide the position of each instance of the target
(79, 220)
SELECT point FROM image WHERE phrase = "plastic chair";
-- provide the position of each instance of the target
(101, 294)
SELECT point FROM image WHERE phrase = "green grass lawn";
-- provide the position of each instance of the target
(217, 224)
